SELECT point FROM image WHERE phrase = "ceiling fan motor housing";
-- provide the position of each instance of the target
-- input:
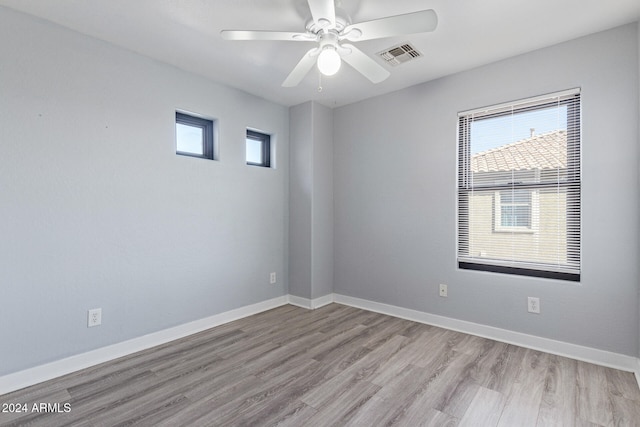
(341, 23)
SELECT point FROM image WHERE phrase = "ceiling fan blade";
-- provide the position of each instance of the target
(410, 23)
(364, 64)
(265, 35)
(323, 13)
(301, 70)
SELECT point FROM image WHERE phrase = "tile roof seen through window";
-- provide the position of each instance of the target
(544, 151)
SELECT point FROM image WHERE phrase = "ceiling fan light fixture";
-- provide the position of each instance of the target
(329, 61)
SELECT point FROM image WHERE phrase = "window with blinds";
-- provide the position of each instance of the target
(519, 187)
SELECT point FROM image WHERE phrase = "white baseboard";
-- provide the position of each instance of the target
(300, 302)
(573, 351)
(38, 374)
(311, 304)
(322, 301)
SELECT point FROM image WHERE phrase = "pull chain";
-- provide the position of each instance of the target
(319, 81)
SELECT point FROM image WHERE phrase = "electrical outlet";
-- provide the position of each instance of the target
(94, 317)
(443, 290)
(533, 305)
(272, 278)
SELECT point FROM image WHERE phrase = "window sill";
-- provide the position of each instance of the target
(544, 274)
(516, 230)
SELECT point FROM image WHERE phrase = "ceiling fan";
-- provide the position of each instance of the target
(331, 31)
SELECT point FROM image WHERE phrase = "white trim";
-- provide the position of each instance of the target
(573, 351)
(322, 301)
(300, 301)
(38, 374)
(311, 304)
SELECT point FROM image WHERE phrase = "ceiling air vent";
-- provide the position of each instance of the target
(399, 54)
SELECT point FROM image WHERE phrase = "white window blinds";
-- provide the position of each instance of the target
(519, 187)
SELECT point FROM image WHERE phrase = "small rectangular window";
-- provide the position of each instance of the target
(258, 149)
(514, 210)
(194, 136)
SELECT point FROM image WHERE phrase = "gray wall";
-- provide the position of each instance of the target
(97, 210)
(300, 199)
(395, 196)
(311, 201)
(322, 224)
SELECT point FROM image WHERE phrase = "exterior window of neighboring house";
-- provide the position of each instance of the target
(516, 211)
(519, 184)
(515, 208)
(194, 136)
(258, 149)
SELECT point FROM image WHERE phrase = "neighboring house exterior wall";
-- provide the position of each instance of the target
(489, 239)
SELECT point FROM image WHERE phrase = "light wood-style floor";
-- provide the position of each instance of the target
(336, 365)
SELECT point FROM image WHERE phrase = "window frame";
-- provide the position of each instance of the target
(208, 138)
(571, 183)
(265, 147)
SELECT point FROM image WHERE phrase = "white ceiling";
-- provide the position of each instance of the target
(186, 34)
